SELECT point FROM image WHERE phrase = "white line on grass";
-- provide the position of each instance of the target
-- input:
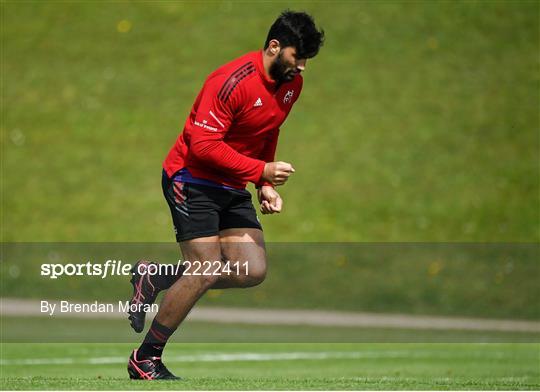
(237, 357)
(211, 357)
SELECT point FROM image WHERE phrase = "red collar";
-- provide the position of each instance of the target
(269, 83)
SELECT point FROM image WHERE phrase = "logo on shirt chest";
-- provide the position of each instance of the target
(288, 96)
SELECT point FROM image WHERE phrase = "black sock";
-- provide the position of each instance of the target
(167, 276)
(154, 341)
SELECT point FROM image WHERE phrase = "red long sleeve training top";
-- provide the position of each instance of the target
(233, 127)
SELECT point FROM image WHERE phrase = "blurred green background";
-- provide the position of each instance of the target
(418, 120)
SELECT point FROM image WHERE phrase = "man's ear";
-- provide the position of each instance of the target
(274, 47)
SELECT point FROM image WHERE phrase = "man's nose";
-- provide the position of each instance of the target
(301, 65)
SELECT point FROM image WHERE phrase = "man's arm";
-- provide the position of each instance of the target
(269, 198)
(209, 127)
(269, 152)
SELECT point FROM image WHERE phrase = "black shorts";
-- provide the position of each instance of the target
(202, 211)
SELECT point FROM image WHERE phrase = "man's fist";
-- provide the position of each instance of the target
(277, 173)
(270, 200)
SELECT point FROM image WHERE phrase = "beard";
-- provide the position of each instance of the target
(280, 72)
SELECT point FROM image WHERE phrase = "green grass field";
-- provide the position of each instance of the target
(222, 366)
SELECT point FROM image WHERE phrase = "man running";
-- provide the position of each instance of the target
(229, 139)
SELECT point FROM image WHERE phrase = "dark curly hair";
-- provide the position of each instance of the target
(297, 29)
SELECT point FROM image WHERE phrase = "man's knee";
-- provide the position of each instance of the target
(257, 278)
(255, 275)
